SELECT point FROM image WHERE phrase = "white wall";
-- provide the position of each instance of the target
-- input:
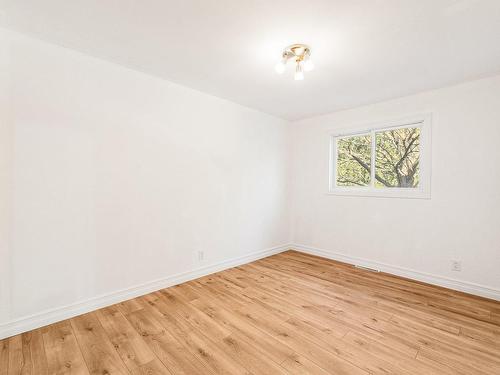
(461, 220)
(119, 178)
(5, 179)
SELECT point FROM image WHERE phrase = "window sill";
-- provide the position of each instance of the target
(390, 193)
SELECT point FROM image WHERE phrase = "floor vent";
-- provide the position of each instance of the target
(366, 268)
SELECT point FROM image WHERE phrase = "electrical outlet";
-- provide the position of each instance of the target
(201, 256)
(456, 265)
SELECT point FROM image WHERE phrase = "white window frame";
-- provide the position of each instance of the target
(423, 191)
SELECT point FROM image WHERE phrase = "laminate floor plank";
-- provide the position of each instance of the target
(207, 351)
(98, 351)
(264, 342)
(27, 354)
(62, 351)
(166, 347)
(4, 356)
(134, 352)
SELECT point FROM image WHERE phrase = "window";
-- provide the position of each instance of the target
(390, 160)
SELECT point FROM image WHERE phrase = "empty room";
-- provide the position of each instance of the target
(250, 187)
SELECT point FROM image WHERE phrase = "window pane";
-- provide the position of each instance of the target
(397, 158)
(353, 161)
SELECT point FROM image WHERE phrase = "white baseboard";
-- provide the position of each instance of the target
(462, 286)
(65, 312)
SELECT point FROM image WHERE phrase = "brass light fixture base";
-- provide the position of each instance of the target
(299, 52)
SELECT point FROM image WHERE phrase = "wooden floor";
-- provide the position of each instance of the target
(287, 314)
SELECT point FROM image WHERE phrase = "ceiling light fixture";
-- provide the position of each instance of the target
(301, 54)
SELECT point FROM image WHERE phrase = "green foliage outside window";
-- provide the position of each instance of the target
(353, 161)
(397, 158)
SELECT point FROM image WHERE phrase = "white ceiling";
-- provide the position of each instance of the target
(364, 50)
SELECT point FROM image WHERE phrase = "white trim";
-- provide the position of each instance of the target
(423, 121)
(366, 127)
(462, 286)
(46, 317)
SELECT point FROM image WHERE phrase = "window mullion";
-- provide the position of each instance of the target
(372, 159)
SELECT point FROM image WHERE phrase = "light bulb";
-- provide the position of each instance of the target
(308, 65)
(280, 67)
(299, 72)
